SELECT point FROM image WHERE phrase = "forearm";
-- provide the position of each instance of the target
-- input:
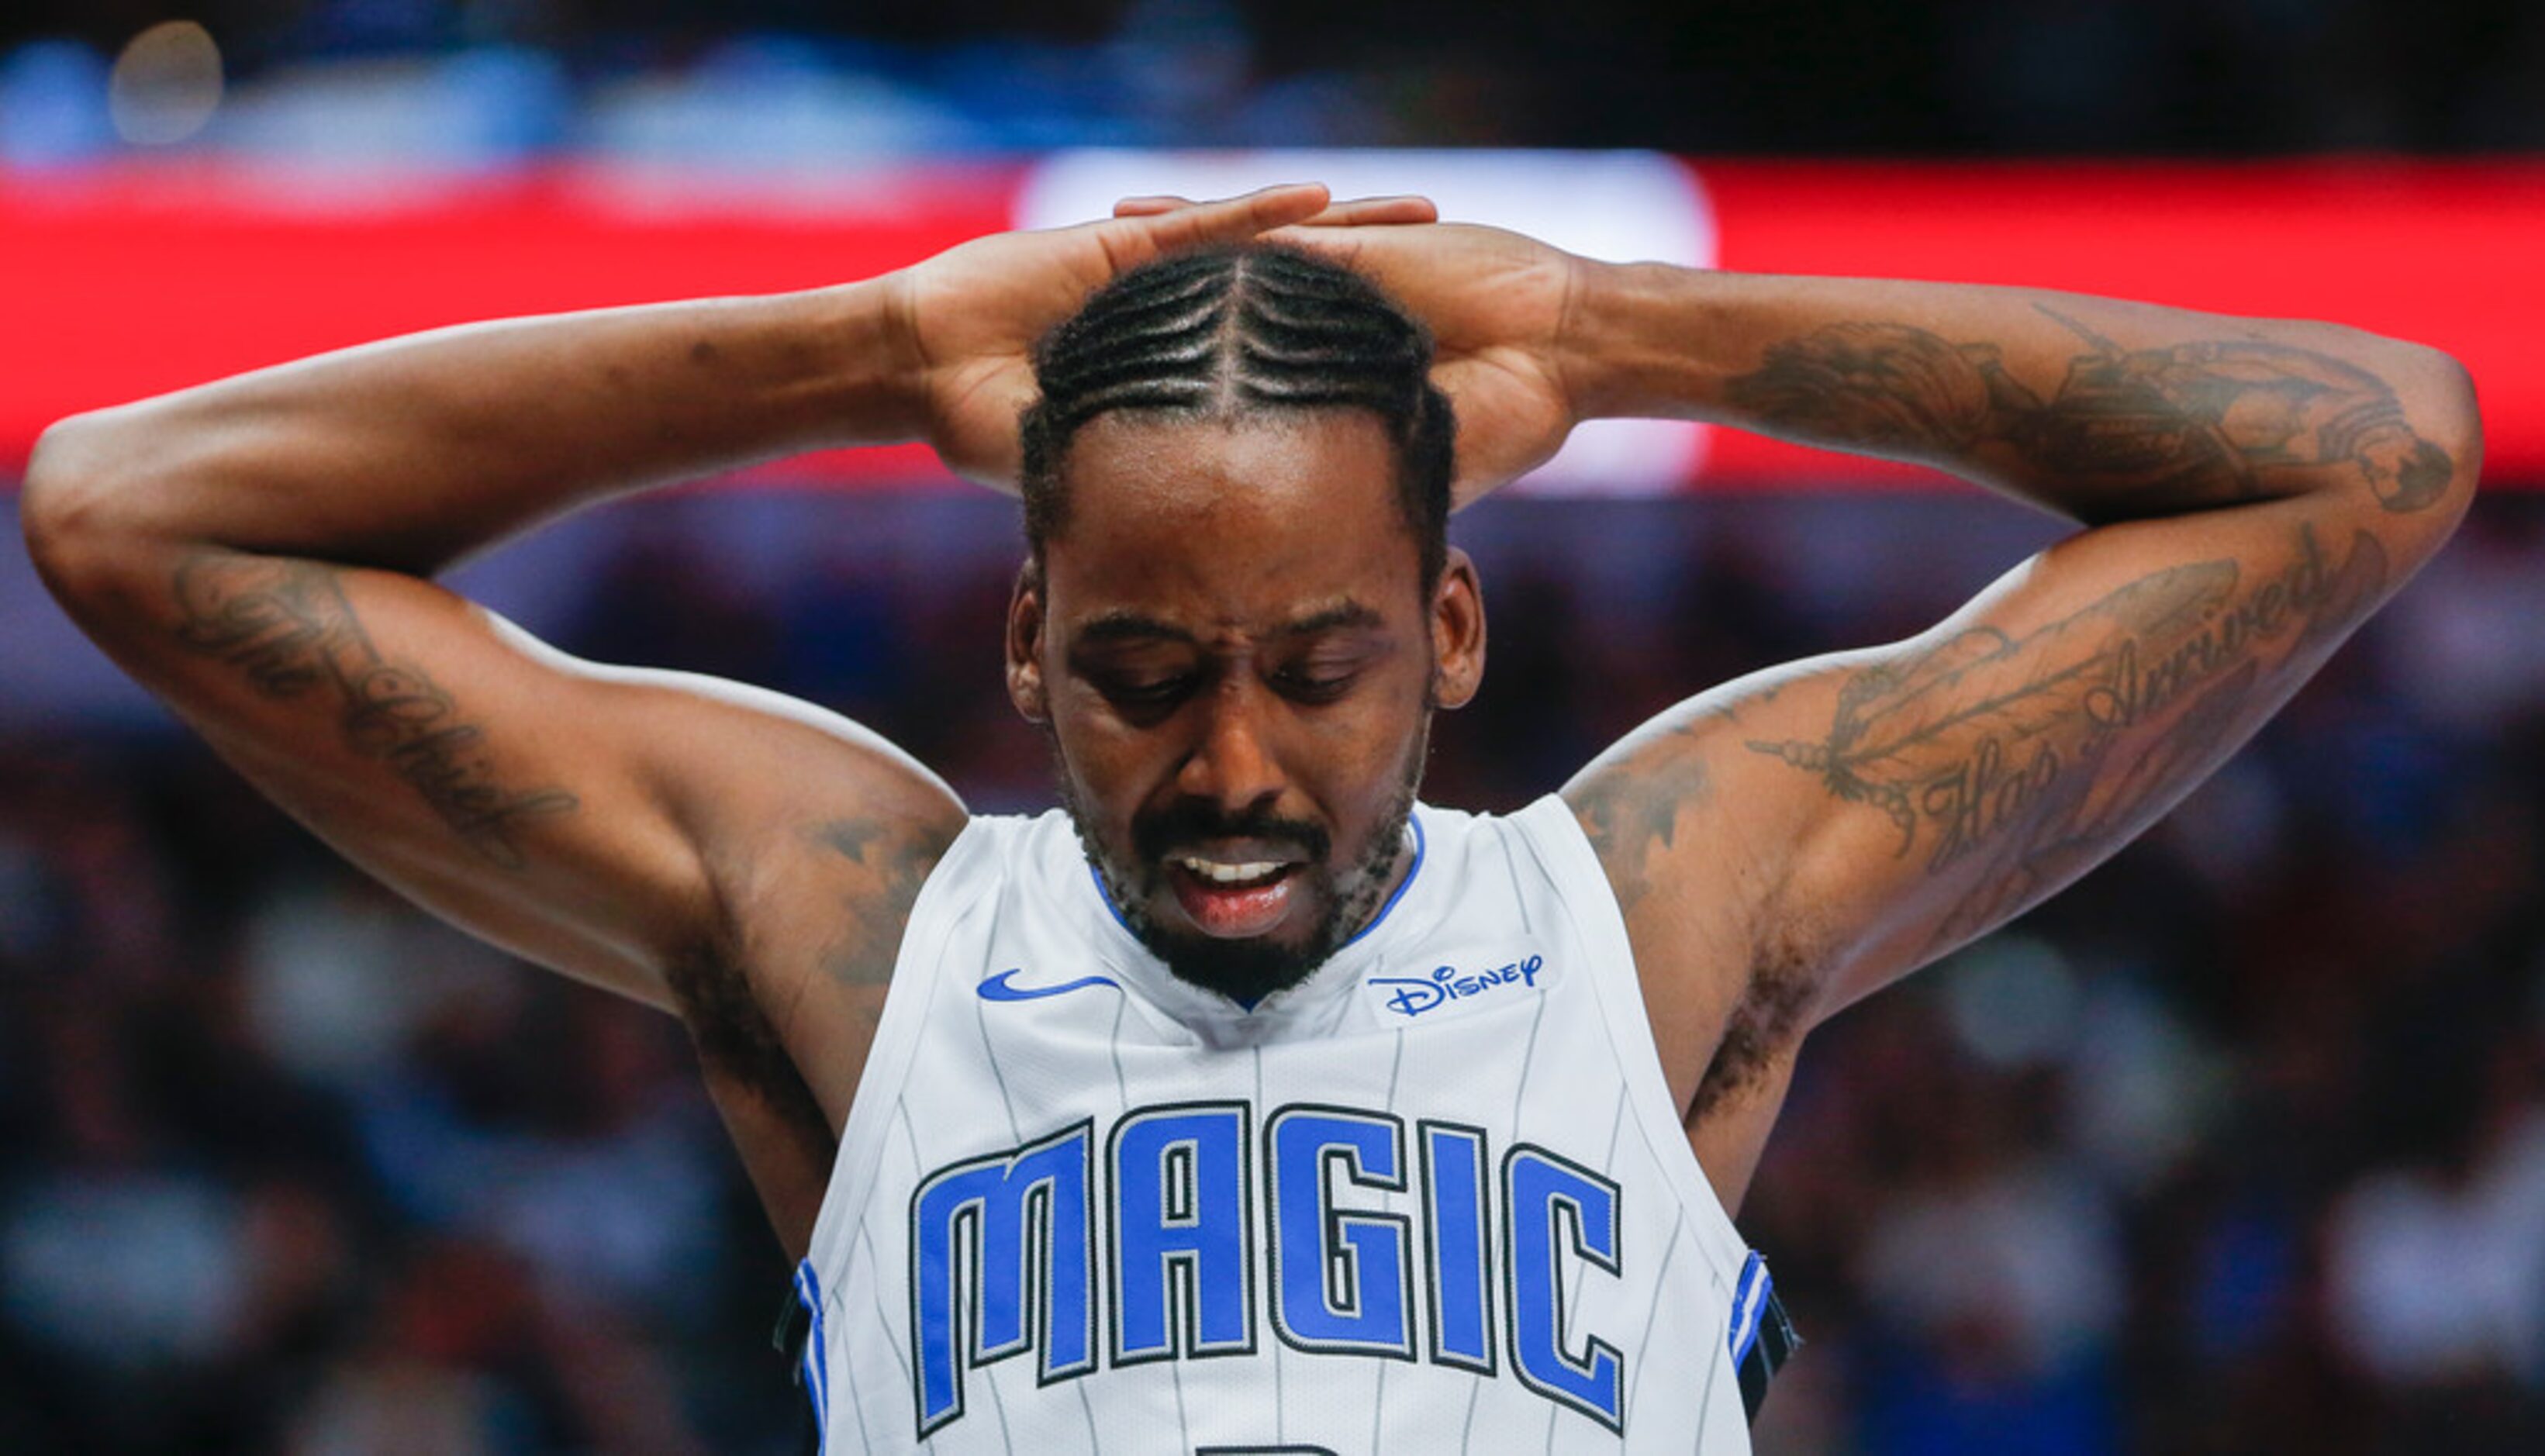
(411, 452)
(2098, 408)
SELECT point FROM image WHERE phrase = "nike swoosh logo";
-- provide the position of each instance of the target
(1003, 987)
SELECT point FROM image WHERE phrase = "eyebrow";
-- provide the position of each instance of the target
(1132, 626)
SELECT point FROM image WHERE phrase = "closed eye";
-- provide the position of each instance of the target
(1313, 685)
(1146, 688)
(1143, 691)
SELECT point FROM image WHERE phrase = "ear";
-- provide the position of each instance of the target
(1025, 645)
(1457, 632)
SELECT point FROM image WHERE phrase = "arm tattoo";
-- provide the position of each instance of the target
(1625, 813)
(2135, 431)
(2020, 762)
(898, 857)
(289, 628)
(722, 1001)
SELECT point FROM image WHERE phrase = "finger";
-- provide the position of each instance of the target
(1403, 207)
(1342, 244)
(1233, 219)
(1379, 250)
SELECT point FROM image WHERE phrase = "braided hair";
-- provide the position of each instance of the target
(1221, 332)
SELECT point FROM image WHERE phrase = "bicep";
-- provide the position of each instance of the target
(1869, 811)
(1952, 781)
(567, 811)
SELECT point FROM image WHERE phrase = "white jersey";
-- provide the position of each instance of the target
(1435, 1199)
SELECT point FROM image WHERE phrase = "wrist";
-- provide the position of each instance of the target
(1640, 340)
(862, 361)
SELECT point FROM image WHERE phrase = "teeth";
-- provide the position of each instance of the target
(1229, 875)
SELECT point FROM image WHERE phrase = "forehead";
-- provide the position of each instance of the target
(1236, 523)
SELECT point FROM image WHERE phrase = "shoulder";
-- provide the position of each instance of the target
(1539, 841)
(1026, 851)
(815, 881)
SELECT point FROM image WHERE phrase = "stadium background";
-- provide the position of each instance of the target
(2238, 1147)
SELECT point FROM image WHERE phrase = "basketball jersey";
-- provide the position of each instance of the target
(1433, 1199)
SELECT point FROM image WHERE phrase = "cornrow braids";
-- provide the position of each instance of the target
(1221, 332)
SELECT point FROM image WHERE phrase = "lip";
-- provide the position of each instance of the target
(1240, 852)
(1234, 913)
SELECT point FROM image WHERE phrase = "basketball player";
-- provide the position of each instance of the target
(1249, 1105)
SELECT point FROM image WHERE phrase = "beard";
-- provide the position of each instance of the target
(1246, 971)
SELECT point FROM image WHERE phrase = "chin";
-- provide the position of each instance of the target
(1249, 970)
(1344, 893)
(1244, 971)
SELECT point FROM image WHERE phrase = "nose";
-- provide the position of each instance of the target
(1232, 763)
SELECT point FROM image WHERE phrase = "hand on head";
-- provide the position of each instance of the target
(965, 321)
(968, 319)
(1495, 302)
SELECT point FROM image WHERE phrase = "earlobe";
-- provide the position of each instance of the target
(1457, 632)
(1024, 646)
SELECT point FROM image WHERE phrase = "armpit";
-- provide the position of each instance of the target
(735, 1041)
(1767, 1022)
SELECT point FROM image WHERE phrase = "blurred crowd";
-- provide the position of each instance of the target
(777, 84)
(2238, 1147)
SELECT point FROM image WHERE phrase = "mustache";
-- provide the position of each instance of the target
(1157, 834)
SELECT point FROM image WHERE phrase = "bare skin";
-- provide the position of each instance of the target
(1234, 618)
(1787, 844)
(258, 552)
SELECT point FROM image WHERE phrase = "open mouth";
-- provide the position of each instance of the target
(1232, 898)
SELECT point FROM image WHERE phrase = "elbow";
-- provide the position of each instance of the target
(80, 524)
(58, 500)
(2461, 427)
(2424, 482)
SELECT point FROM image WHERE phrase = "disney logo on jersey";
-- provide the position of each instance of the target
(1411, 997)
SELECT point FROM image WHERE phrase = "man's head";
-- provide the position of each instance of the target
(1242, 608)
(1258, 330)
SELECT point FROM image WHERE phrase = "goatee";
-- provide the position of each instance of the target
(1248, 971)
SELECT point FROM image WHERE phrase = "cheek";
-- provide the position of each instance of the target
(1113, 766)
(1362, 754)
